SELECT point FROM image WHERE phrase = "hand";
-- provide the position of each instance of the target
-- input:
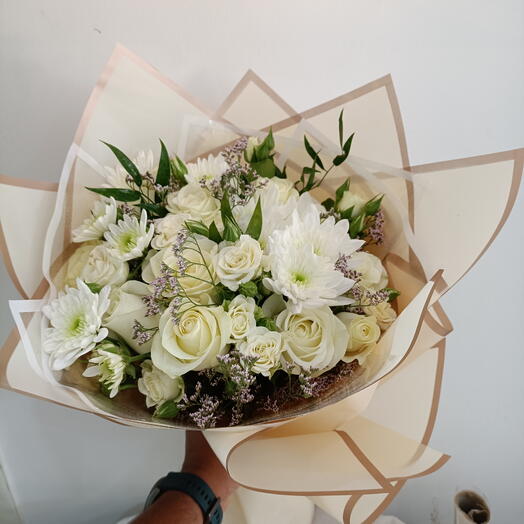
(177, 507)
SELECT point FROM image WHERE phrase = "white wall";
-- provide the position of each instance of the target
(458, 67)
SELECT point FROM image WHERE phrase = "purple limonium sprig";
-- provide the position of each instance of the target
(142, 334)
(342, 265)
(375, 232)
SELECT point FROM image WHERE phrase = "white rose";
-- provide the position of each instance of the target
(286, 189)
(363, 334)
(264, 345)
(157, 386)
(167, 228)
(94, 264)
(197, 281)
(241, 310)
(239, 262)
(195, 201)
(316, 339)
(126, 307)
(384, 314)
(350, 199)
(374, 276)
(193, 342)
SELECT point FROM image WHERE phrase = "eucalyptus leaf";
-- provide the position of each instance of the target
(178, 170)
(122, 195)
(126, 163)
(153, 210)
(254, 228)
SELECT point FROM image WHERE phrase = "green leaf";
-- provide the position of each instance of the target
(312, 153)
(341, 128)
(248, 289)
(126, 163)
(94, 287)
(153, 210)
(373, 205)
(214, 234)
(164, 166)
(197, 227)
(347, 144)
(259, 313)
(357, 225)
(225, 304)
(280, 173)
(131, 370)
(178, 170)
(329, 203)
(254, 228)
(232, 230)
(265, 168)
(268, 323)
(341, 190)
(347, 213)
(393, 293)
(168, 409)
(122, 195)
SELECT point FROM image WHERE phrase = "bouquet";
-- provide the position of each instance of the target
(221, 289)
(256, 287)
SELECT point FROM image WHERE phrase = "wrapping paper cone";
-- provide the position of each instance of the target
(368, 438)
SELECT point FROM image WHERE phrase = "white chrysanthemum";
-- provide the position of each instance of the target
(129, 238)
(109, 366)
(206, 170)
(76, 324)
(306, 279)
(117, 176)
(93, 227)
(276, 211)
(326, 238)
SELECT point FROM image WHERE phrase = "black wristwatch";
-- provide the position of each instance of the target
(193, 486)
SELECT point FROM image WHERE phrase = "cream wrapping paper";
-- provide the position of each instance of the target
(366, 445)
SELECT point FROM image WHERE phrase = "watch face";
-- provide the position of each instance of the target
(153, 494)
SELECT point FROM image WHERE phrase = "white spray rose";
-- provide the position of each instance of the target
(94, 226)
(350, 199)
(241, 310)
(197, 281)
(126, 307)
(316, 339)
(157, 386)
(192, 342)
(363, 333)
(374, 276)
(264, 345)
(167, 228)
(196, 202)
(93, 263)
(239, 262)
(384, 314)
(285, 189)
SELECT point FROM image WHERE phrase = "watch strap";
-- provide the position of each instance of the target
(193, 486)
